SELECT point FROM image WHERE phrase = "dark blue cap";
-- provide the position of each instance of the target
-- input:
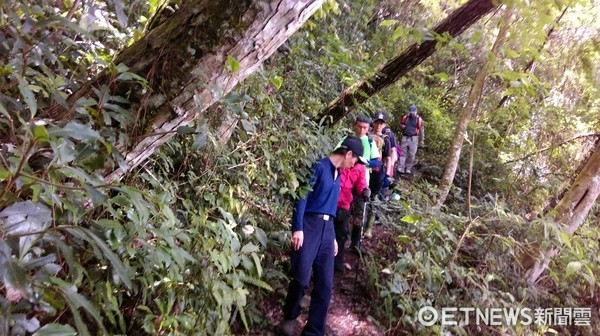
(412, 109)
(380, 116)
(355, 145)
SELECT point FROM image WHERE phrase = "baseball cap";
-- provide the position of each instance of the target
(380, 116)
(355, 145)
(412, 109)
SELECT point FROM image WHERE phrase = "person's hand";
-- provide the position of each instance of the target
(422, 143)
(297, 240)
(366, 193)
(335, 247)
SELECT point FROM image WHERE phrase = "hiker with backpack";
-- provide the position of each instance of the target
(372, 156)
(380, 174)
(313, 240)
(413, 135)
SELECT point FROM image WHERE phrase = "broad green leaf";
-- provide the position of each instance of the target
(249, 248)
(257, 264)
(24, 218)
(565, 238)
(363, 94)
(234, 65)
(116, 264)
(28, 96)
(68, 292)
(4, 173)
(277, 81)
(410, 219)
(248, 126)
(442, 76)
(40, 133)
(76, 131)
(403, 239)
(98, 198)
(387, 23)
(398, 32)
(39, 262)
(55, 329)
(65, 151)
(573, 267)
(16, 281)
(261, 236)
(4, 111)
(234, 98)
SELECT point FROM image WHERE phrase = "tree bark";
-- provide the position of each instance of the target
(469, 109)
(572, 210)
(390, 72)
(185, 62)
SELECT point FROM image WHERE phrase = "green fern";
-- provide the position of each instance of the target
(255, 281)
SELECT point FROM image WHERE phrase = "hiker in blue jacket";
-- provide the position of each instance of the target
(313, 240)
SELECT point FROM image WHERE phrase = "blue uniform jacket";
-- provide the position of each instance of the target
(324, 195)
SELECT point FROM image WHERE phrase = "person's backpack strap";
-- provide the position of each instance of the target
(403, 120)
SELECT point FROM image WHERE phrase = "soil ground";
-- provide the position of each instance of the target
(349, 311)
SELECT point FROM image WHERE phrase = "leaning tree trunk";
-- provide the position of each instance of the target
(572, 210)
(390, 72)
(190, 60)
(465, 115)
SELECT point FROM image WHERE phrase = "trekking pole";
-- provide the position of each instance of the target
(366, 196)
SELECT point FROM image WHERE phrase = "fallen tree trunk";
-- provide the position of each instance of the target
(190, 60)
(390, 72)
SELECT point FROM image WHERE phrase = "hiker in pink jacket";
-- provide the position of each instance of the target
(353, 183)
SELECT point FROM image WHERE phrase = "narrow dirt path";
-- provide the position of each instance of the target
(350, 307)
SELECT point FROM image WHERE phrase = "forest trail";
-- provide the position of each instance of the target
(349, 311)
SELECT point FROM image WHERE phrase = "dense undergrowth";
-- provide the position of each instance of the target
(422, 264)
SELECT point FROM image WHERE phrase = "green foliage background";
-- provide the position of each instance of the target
(193, 240)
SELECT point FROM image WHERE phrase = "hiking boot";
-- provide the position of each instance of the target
(369, 232)
(286, 328)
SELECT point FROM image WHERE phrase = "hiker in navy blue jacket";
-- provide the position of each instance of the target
(313, 240)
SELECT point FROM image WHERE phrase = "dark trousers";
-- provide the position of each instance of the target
(341, 233)
(316, 254)
(376, 181)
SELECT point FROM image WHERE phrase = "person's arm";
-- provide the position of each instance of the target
(298, 216)
(360, 184)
